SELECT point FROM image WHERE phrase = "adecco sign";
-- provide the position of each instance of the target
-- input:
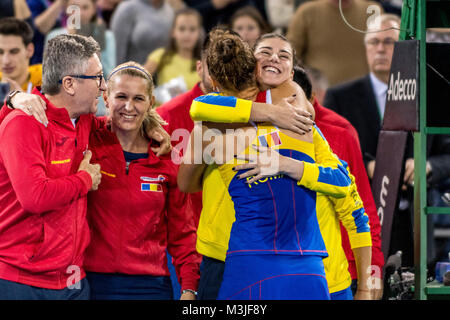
(402, 98)
(401, 89)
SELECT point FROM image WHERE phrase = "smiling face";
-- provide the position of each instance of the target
(275, 62)
(128, 102)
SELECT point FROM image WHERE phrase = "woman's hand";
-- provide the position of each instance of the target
(267, 163)
(290, 117)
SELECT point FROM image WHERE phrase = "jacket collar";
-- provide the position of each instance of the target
(52, 112)
(110, 138)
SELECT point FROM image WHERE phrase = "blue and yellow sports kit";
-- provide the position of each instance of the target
(218, 212)
(275, 248)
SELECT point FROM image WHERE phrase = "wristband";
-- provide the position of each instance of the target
(189, 290)
(9, 97)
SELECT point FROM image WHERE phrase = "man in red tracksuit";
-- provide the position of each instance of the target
(45, 177)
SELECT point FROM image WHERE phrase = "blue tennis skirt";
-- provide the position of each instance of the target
(274, 277)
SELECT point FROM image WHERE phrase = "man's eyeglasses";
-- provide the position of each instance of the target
(388, 42)
(98, 77)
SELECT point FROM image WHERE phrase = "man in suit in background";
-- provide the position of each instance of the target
(362, 101)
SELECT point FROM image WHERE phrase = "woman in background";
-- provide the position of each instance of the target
(179, 58)
(249, 24)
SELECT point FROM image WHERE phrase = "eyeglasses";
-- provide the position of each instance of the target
(388, 42)
(98, 77)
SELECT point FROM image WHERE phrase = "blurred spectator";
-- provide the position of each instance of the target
(106, 9)
(392, 6)
(362, 101)
(45, 17)
(324, 41)
(140, 27)
(250, 24)
(178, 59)
(14, 8)
(319, 83)
(91, 25)
(16, 50)
(217, 12)
(279, 13)
(176, 4)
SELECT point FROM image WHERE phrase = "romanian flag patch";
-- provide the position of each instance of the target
(270, 140)
(154, 187)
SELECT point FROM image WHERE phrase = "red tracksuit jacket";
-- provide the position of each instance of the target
(43, 199)
(136, 214)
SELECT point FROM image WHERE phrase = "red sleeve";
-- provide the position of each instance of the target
(182, 238)
(356, 165)
(4, 112)
(21, 153)
(162, 111)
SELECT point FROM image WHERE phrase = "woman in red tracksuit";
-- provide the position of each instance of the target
(137, 213)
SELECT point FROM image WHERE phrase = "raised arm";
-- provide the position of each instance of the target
(223, 109)
(45, 21)
(190, 172)
(328, 175)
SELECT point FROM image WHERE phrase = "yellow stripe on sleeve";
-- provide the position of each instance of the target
(216, 108)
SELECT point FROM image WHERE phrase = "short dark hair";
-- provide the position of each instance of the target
(302, 79)
(16, 27)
